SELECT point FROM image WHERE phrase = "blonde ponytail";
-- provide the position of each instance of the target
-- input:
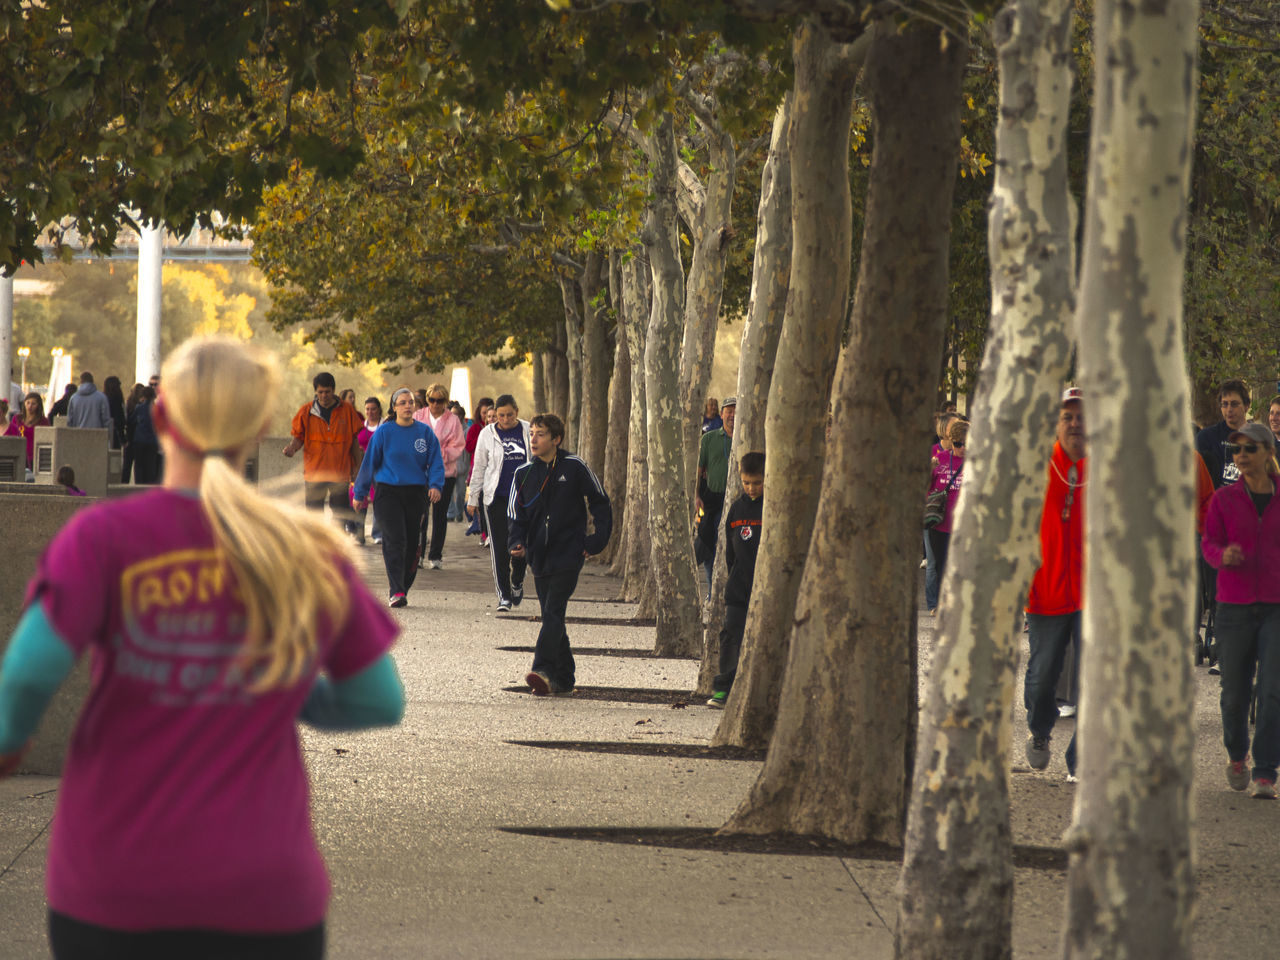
(218, 398)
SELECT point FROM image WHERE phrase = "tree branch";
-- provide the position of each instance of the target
(561, 260)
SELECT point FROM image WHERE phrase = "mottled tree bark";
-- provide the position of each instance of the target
(770, 277)
(638, 584)
(712, 228)
(679, 624)
(956, 892)
(540, 383)
(614, 477)
(839, 761)
(558, 378)
(594, 422)
(1130, 880)
(573, 356)
(816, 307)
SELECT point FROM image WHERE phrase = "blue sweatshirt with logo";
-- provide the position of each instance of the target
(401, 457)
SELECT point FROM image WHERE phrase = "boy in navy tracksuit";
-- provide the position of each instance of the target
(547, 520)
(741, 541)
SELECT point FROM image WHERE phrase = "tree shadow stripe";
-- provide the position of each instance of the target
(709, 840)
(588, 621)
(683, 751)
(601, 652)
(654, 695)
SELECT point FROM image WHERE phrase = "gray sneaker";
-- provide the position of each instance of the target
(1238, 774)
(1037, 752)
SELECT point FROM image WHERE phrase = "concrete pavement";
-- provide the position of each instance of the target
(415, 822)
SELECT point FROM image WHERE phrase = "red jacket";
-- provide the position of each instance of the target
(1058, 586)
(1233, 518)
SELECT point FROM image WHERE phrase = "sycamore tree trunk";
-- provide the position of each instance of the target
(956, 892)
(638, 584)
(558, 373)
(770, 277)
(595, 362)
(669, 520)
(712, 229)
(816, 307)
(1130, 879)
(839, 761)
(573, 357)
(540, 383)
(614, 477)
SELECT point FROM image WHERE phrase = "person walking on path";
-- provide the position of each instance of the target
(372, 420)
(742, 531)
(215, 620)
(547, 511)
(88, 406)
(325, 430)
(1242, 542)
(404, 460)
(948, 474)
(1057, 590)
(453, 443)
(1233, 401)
(501, 448)
(484, 413)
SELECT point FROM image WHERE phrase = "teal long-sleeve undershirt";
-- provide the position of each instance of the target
(34, 666)
(37, 661)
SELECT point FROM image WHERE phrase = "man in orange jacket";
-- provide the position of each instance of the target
(1053, 608)
(325, 431)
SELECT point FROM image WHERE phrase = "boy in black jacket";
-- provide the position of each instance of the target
(548, 524)
(741, 541)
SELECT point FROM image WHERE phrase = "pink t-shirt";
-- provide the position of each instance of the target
(184, 800)
(948, 474)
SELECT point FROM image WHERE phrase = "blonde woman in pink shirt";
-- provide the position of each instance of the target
(453, 440)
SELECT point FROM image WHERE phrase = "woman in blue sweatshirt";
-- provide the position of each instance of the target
(404, 459)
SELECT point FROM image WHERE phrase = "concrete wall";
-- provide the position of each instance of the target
(84, 449)
(27, 523)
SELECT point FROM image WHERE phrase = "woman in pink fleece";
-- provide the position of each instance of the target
(1242, 541)
(453, 440)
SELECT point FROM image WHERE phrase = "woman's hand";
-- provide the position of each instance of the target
(471, 511)
(359, 505)
(1233, 556)
(433, 495)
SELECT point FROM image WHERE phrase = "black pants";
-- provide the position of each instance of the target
(72, 940)
(708, 532)
(506, 568)
(939, 542)
(315, 493)
(552, 655)
(735, 623)
(146, 462)
(437, 514)
(398, 511)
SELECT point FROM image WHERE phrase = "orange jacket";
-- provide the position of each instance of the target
(1058, 586)
(326, 447)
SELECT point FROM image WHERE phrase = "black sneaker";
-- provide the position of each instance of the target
(517, 593)
(504, 606)
(398, 600)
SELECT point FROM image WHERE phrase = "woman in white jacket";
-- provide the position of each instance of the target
(501, 447)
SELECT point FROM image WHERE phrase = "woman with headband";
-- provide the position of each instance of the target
(215, 620)
(404, 460)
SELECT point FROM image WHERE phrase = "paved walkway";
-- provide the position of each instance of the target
(415, 822)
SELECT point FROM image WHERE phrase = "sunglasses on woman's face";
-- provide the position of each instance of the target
(435, 399)
(958, 444)
(1234, 448)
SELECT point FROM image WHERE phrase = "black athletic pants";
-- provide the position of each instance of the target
(552, 655)
(338, 493)
(735, 624)
(506, 568)
(72, 940)
(398, 511)
(437, 514)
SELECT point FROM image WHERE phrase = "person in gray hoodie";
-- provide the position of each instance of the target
(88, 406)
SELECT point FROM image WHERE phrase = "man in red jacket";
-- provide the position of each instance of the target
(1053, 608)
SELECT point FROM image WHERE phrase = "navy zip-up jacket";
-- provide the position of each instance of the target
(547, 513)
(741, 542)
